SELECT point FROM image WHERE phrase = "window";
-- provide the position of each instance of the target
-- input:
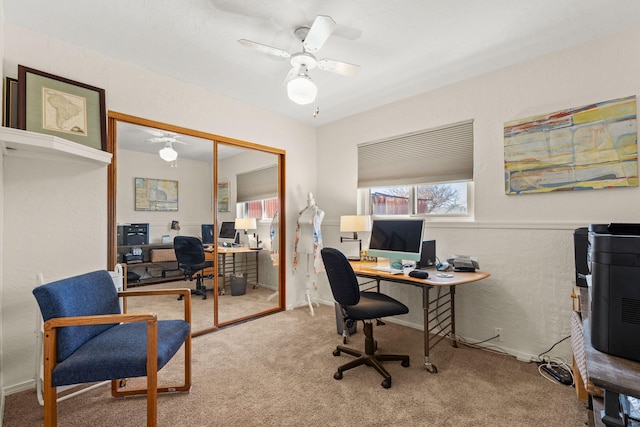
(258, 193)
(259, 209)
(424, 199)
(423, 173)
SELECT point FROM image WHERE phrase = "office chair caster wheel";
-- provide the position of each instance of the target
(337, 375)
(405, 363)
(432, 369)
(336, 352)
(180, 298)
(386, 383)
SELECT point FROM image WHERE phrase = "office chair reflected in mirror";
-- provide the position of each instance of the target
(191, 260)
(356, 305)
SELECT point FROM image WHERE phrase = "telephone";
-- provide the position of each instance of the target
(464, 263)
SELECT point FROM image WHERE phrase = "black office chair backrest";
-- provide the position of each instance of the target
(189, 250)
(342, 279)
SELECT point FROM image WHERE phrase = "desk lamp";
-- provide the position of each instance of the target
(354, 224)
(245, 224)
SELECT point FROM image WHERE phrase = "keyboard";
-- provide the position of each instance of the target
(387, 270)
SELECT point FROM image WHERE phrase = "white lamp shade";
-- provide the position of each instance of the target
(168, 153)
(355, 223)
(302, 90)
(245, 224)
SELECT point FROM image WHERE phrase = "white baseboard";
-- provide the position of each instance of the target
(522, 357)
(16, 388)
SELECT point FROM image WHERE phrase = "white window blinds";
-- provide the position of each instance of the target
(259, 184)
(444, 154)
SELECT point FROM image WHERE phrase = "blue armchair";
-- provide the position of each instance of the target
(88, 339)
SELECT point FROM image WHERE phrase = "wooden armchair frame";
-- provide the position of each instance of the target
(151, 390)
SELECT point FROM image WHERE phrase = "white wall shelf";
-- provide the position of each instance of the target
(22, 143)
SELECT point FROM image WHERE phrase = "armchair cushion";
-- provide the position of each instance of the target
(127, 342)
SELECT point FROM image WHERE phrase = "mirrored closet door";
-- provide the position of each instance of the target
(168, 182)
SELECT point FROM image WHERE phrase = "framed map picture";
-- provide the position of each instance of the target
(61, 107)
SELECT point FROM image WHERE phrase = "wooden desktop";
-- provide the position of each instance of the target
(445, 302)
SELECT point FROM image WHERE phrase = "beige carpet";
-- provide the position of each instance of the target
(230, 307)
(278, 371)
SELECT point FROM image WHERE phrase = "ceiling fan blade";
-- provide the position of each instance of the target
(291, 74)
(338, 67)
(269, 50)
(320, 31)
(154, 132)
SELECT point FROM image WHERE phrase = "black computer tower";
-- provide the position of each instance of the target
(133, 234)
(427, 254)
(614, 260)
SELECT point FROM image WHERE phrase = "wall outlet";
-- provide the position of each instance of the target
(498, 331)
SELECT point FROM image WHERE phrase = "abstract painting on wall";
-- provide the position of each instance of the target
(156, 195)
(589, 147)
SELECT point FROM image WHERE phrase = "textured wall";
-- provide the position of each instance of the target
(129, 90)
(524, 241)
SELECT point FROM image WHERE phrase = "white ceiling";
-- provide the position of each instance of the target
(404, 47)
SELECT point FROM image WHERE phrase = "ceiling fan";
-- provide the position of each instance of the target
(167, 153)
(300, 88)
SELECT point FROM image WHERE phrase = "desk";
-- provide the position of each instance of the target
(429, 308)
(616, 375)
(227, 263)
(149, 269)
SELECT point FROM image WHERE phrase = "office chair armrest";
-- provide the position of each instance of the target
(186, 297)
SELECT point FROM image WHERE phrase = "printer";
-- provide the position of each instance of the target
(614, 262)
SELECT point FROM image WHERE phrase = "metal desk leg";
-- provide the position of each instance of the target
(454, 337)
(611, 414)
(224, 273)
(257, 276)
(425, 307)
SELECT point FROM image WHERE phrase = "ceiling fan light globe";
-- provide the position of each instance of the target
(168, 154)
(302, 90)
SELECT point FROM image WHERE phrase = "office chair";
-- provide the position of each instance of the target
(87, 339)
(365, 306)
(191, 260)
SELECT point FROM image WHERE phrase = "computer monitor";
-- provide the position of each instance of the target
(228, 234)
(207, 234)
(396, 239)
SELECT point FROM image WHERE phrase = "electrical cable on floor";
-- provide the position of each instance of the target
(557, 342)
